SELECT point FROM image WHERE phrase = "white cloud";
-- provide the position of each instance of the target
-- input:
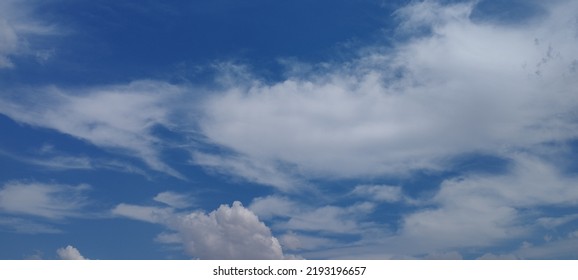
(230, 232)
(25, 226)
(116, 117)
(553, 222)
(297, 216)
(63, 162)
(173, 199)
(481, 210)
(467, 87)
(295, 241)
(45, 200)
(32, 208)
(169, 238)
(464, 87)
(58, 161)
(251, 169)
(559, 249)
(330, 219)
(432, 14)
(317, 231)
(69, 253)
(8, 44)
(379, 192)
(473, 211)
(17, 23)
(143, 213)
(274, 206)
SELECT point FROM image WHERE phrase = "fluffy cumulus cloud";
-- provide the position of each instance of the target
(69, 253)
(115, 117)
(229, 232)
(464, 86)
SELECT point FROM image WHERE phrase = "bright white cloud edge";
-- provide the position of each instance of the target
(229, 232)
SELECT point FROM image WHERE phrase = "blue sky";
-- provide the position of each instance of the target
(288, 129)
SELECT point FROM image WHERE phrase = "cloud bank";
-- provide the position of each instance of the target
(465, 87)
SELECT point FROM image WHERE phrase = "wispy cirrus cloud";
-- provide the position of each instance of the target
(60, 161)
(174, 200)
(17, 24)
(255, 170)
(480, 211)
(25, 226)
(51, 201)
(383, 193)
(114, 117)
(33, 208)
(307, 227)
